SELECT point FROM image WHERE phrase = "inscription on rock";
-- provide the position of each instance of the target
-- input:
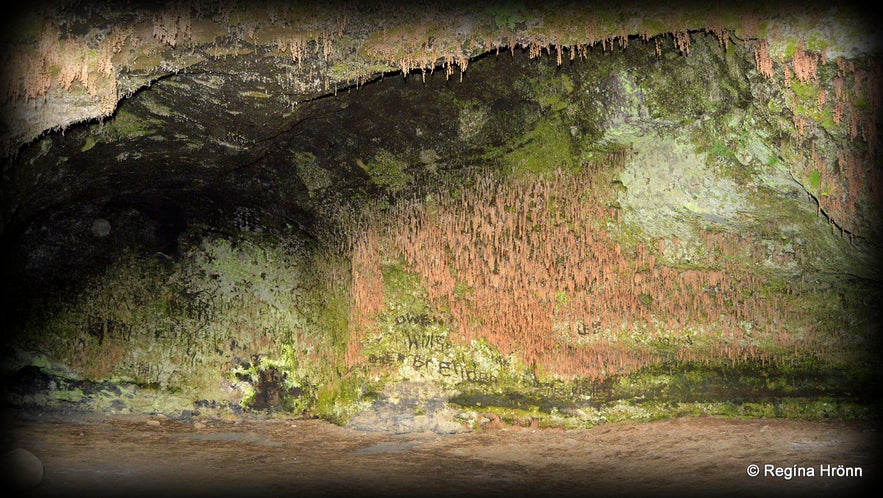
(431, 352)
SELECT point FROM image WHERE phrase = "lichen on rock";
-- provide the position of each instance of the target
(602, 222)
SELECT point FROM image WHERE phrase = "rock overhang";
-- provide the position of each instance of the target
(67, 64)
(237, 109)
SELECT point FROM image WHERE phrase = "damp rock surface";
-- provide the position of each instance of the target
(408, 407)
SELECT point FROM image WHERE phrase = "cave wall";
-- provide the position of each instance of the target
(587, 220)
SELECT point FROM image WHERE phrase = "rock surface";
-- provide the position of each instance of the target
(689, 202)
(408, 407)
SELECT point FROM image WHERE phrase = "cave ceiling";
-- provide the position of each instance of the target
(197, 112)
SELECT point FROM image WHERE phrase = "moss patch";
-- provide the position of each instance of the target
(246, 320)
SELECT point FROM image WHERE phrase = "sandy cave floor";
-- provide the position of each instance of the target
(100, 455)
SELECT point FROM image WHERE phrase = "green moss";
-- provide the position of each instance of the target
(670, 390)
(561, 300)
(90, 142)
(333, 320)
(721, 149)
(813, 181)
(387, 171)
(553, 92)
(314, 177)
(255, 94)
(338, 400)
(686, 88)
(126, 125)
(805, 389)
(355, 71)
(472, 118)
(123, 126)
(506, 15)
(543, 149)
(806, 92)
(462, 290)
(209, 324)
(403, 288)
(152, 104)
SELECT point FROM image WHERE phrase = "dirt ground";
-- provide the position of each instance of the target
(99, 455)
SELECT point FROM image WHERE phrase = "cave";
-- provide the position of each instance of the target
(384, 248)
